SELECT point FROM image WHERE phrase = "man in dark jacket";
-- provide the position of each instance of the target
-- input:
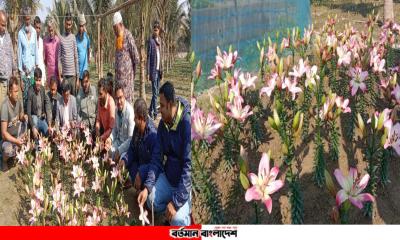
(170, 184)
(53, 97)
(142, 145)
(154, 71)
(38, 107)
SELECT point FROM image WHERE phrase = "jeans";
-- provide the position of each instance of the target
(163, 195)
(40, 125)
(155, 85)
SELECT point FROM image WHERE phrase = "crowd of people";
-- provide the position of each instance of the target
(47, 86)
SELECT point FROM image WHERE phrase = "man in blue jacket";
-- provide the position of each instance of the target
(169, 184)
(154, 70)
(142, 145)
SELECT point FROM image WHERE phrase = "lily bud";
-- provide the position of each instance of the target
(261, 55)
(329, 183)
(384, 137)
(360, 122)
(243, 160)
(278, 105)
(296, 121)
(380, 120)
(271, 122)
(280, 68)
(244, 181)
(300, 126)
(393, 81)
(276, 119)
(198, 69)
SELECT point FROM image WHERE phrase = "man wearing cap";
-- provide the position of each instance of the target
(27, 52)
(83, 43)
(126, 57)
(68, 69)
(51, 44)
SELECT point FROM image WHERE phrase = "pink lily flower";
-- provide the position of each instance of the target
(237, 111)
(96, 186)
(270, 86)
(396, 93)
(285, 43)
(216, 72)
(357, 81)
(344, 55)
(247, 80)
(204, 128)
(271, 54)
(343, 104)
(300, 70)
(77, 172)
(264, 184)
(78, 186)
(114, 172)
(331, 40)
(379, 65)
(227, 60)
(352, 188)
(292, 87)
(35, 211)
(311, 76)
(393, 139)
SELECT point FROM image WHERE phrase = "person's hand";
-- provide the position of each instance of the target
(22, 85)
(77, 84)
(50, 129)
(19, 142)
(116, 156)
(35, 133)
(170, 211)
(138, 182)
(107, 144)
(143, 196)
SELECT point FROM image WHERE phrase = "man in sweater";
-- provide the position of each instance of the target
(171, 181)
(68, 68)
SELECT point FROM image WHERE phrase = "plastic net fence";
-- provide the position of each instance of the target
(241, 23)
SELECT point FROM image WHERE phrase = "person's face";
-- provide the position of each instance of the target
(117, 29)
(66, 96)
(38, 27)
(102, 96)
(68, 26)
(81, 28)
(86, 84)
(156, 31)
(140, 123)
(38, 83)
(14, 93)
(165, 109)
(53, 89)
(27, 21)
(120, 99)
(3, 24)
(51, 32)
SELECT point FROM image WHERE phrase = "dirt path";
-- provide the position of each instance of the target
(9, 198)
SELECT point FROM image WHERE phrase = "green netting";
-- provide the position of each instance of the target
(241, 23)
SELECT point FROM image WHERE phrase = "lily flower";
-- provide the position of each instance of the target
(264, 184)
(352, 188)
(357, 81)
(236, 110)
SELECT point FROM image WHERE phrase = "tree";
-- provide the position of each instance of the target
(388, 10)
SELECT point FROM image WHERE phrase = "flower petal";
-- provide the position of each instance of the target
(252, 194)
(268, 204)
(341, 196)
(363, 182)
(340, 178)
(274, 186)
(253, 178)
(263, 167)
